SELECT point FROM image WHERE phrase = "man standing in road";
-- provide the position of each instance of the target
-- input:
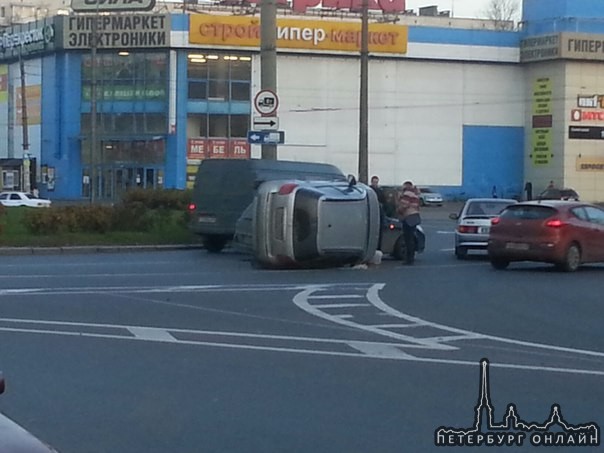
(408, 212)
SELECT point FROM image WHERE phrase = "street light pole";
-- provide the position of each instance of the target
(93, 111)
(363, 96)
(268, 58)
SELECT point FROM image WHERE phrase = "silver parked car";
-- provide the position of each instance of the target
(474, 223)
(429, 197)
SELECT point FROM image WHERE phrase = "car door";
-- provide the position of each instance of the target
(596, 220)
(13, 200)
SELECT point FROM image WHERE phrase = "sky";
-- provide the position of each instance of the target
(460, 8)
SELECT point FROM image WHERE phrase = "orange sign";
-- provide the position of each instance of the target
(297, 34)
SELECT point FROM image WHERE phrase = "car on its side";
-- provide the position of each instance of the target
(564, 233)
(474, 223)
(14, 199)
(554, 193)
(429, 197)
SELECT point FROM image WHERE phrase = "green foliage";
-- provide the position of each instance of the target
(158, 199)
(143, 217)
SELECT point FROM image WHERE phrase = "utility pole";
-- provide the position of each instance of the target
(363, 96)
(93, 110)
(24, 126)
(268, 58)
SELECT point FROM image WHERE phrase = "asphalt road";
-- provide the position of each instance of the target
(181, 351)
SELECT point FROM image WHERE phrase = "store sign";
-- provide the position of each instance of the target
(586, 132)
(590, 163)
(541, 137)
(217, 148)
(206, 29)
(540, 48)
(300, 6)
(125, 93)
(90, 6)
(117, 31)
(27, 39)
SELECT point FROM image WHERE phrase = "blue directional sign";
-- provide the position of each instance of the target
(266, 137)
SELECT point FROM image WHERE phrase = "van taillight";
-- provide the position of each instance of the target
(192, 207)
(495, 220)
(555, 223)
(288, 188)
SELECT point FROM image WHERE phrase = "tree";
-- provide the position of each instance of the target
(502, 13)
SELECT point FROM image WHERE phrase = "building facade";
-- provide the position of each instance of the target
(454, 104)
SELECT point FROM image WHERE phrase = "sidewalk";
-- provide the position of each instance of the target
(80, 249)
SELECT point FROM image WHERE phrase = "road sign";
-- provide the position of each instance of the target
(266, 123)
(92, 6)
(266, 137)
(266, 102)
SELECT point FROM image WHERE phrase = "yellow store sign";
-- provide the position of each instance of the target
(236, 31)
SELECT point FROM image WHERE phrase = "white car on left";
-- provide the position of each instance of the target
(9, 199)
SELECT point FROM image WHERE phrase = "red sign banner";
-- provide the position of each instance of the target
(196, 148)
(239, 149)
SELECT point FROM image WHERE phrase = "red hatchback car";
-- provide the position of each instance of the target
(565, 233)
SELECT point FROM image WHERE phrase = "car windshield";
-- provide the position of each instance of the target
(528, 212)
(486, 208)
(30, 196)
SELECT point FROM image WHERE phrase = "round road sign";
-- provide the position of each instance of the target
(266, 102)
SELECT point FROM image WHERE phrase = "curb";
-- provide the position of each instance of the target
(6, 251)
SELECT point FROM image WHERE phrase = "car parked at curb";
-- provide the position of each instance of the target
(474, 223)
(429, 197)
(564, 233)
(16, 199)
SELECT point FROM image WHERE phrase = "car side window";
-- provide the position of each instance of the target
(580, 214)
(3, 196)
(595, 215)
(15, 196)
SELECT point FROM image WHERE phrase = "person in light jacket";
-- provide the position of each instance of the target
(408, 212)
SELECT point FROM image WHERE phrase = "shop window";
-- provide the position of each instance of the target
(240, 91)
(203, 125)
(241, 69)
(218, 126)
(218, 68)
(197, 70)
(198, 90)
(218, 90)
(239, 125)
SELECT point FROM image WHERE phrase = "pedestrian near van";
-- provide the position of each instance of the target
(408, 212)
(375, 185)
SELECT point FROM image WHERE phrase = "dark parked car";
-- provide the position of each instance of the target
(565, 233)
(558, 194)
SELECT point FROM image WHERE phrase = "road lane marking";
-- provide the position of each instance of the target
(380, 350)
(301, 300)
(338, 296)
(152, 334)
(340, 305)
(371, 350)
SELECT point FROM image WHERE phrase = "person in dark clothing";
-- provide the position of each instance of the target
(375, 185)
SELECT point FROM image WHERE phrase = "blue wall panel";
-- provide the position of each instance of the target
(176, 144)
(493, 156)
(60, 137)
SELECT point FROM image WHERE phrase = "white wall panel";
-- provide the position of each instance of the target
(417, 111)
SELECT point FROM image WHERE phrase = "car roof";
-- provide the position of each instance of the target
(553, 203)
(490, 200)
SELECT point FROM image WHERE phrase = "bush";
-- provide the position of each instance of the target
(2, 212)
(158, 198)
(132, 217)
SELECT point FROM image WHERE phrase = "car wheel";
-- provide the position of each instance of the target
(214, 244)
(499, 263)
(572, 259)
(461, 252)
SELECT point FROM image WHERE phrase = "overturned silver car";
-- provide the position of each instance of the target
(295, 223)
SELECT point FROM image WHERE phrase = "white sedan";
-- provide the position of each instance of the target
(23, 199)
